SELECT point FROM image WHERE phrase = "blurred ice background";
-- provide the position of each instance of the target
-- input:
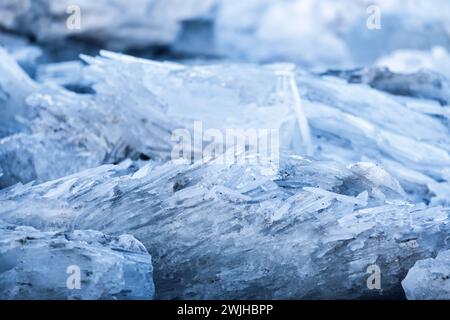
(312, 33)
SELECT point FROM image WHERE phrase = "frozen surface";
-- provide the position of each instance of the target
(35, 265)
(429, 279)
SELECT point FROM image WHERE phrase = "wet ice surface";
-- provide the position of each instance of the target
(362, 176)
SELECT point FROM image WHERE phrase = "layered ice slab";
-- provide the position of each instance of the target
(216, 231)
(429, 279)
(72, 265)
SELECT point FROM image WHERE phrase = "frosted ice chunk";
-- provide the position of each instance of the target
(39, 265)
(429, 279)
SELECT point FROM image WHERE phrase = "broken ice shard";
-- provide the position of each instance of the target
(287, 93)
(58, 132)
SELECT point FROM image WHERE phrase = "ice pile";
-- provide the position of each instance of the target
(228, 231)
(374, 191)
(349, 122)
(35, 265)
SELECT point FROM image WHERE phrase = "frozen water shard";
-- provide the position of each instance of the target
(287, 93)
(62, 132)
